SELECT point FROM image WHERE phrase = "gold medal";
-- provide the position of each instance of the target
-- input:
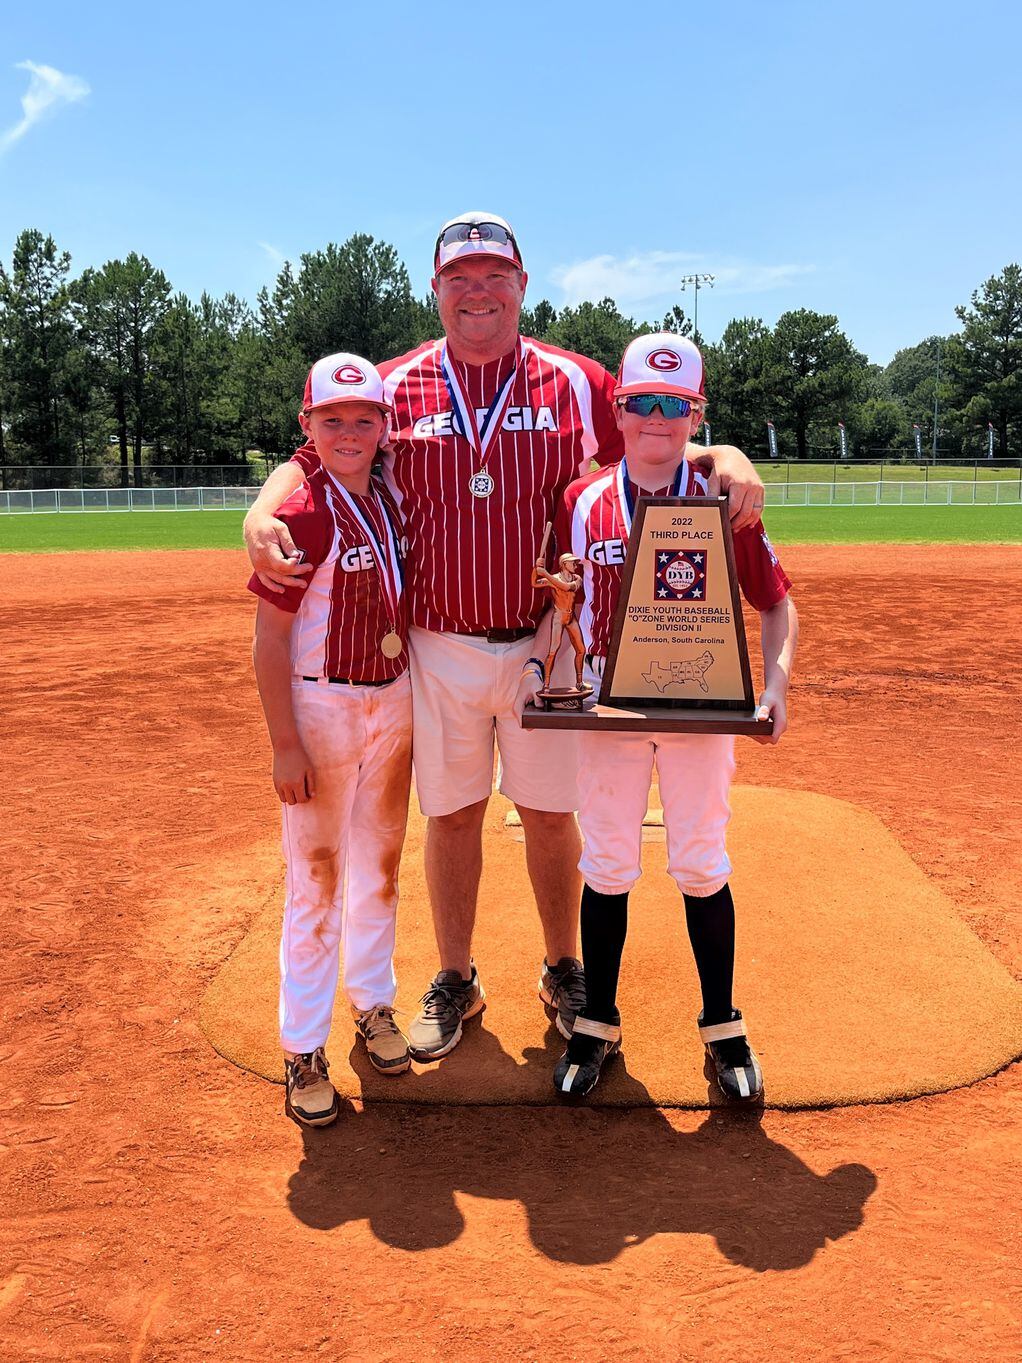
(391, 645)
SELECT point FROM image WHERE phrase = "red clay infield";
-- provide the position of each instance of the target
(157, 1206)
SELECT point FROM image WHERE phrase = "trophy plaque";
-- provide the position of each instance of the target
(678, 661)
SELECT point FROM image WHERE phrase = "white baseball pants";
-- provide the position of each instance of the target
(614, 778)
(359, 740)
(463, 691)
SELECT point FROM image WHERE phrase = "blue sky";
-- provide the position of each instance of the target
(856, 159)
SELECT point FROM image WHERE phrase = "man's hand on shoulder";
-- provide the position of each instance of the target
(728, 470)
(275, 557)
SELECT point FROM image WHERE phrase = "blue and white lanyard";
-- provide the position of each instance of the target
(388, 560)
(626, 501)
(464, 414)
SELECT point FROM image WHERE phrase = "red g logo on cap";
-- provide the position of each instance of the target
(348, 373)
(664, 361)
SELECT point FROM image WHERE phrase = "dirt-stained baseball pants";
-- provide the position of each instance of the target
(359, 740)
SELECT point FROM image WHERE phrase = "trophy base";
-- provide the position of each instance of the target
(564, 699)
(647, 719)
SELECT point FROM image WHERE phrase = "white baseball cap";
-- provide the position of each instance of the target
(662, 363)
(344, 378)
(475, 234)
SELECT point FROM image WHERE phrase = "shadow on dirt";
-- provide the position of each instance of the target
(592, 1181)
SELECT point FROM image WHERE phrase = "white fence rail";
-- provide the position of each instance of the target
(943, 492)
(130, 499)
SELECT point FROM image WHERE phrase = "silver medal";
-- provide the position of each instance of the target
(481, 484)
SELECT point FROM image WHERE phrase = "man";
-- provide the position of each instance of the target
(488, 429)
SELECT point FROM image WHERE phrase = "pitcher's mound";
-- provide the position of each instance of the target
(856, 976)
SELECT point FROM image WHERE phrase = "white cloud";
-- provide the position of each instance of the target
(274, 256)
(649, 277)
(47, 90)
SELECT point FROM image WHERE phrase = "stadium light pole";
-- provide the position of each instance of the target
(936, 399)
(698, 281)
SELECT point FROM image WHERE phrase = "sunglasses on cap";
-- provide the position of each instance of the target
(643, 404)
(476, 231)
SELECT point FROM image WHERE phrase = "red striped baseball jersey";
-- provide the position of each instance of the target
(471, 557)
(345, 611)
(592, 524)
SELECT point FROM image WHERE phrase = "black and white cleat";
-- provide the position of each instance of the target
(590, 1046)
(733, 1059)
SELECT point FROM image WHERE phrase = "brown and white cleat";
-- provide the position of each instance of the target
(592, 1043)
(727, 1045)
(311, 1098)
(385, 1044)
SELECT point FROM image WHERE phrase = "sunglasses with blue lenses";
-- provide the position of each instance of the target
(643, 404)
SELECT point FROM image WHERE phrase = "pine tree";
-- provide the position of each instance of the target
(742, 381)
(598, 330)
(122, 306)
(985, 360)
(819, 373)
(37, 327)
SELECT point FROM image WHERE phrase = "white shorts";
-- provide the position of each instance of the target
(615, 774)
(463, 692)
(359, 742)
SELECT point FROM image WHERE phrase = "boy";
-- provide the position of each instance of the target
(658, 405)
(331, 662)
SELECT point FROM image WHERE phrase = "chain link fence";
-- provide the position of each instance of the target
(890, 492)
(26, 477)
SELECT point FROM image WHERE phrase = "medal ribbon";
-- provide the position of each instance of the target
(464, 412)
(388, 561)
(626, 501)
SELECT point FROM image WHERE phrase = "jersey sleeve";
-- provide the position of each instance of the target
(562, 522)
(306, 458)
(610, 441)
(306, 524)
(762, 579)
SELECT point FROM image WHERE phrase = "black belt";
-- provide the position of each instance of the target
(498, 636)
(347, 681)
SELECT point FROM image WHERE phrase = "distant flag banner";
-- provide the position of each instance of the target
(919, 441)
(680, 575)
(990, 440)
(843, 435)
(772, 438)
(706, 433)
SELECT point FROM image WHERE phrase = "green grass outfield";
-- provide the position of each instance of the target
(93, 530)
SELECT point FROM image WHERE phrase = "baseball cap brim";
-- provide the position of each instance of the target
(465, 250)
(661, 389)
(341, 401)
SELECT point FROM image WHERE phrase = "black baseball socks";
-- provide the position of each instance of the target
(710, 920)
(711, 930)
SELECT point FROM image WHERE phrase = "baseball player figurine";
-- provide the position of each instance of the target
(564, 587)
(660, 398)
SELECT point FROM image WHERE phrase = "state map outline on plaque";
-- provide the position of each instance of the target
(679, 671)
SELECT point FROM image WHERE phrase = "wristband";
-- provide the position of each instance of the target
(540, 672)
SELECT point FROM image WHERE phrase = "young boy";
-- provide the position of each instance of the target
(331, 662)
(658, 404)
